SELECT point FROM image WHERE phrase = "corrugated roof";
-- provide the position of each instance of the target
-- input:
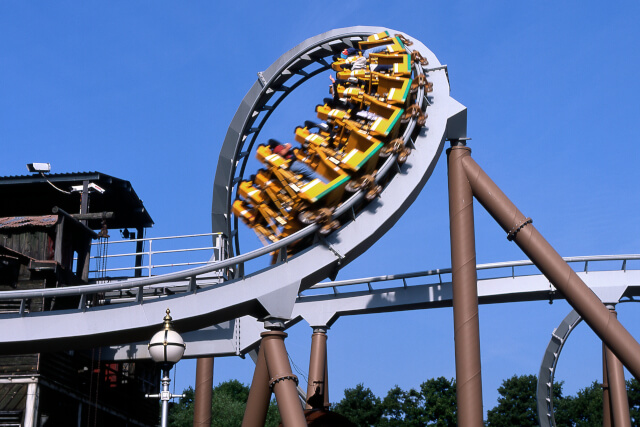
(50, 175)
(28, 221)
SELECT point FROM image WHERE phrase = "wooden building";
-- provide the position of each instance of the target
(47, 225)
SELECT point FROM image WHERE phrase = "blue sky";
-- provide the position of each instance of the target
(145, 90)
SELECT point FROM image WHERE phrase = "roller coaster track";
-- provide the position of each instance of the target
(270, 292)
(614, 278)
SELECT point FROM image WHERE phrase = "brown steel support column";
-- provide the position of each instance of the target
(542, 254)
(317, 365)
(617, 388)
(204, 386)
(606, 406)
(282, 380)
(327, 403)
(255, 414)
(465, 292)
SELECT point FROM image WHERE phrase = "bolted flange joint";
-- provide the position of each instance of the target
(512, 233)
(279, 378)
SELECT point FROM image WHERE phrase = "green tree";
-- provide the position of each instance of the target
(360, 406)
(181, 413)
(440, 401)
(517, 404)
(393, 407)
(228, 402)
(585, 409)
(433, 405)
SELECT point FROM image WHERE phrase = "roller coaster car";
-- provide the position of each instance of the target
(400, 63)
(383, 119)
(391, 44)
(255, 196)
(361, 125)
(327, 194)
(389, 88)
(249, 216)
(385, 34)
(357, 152)
(326, 190)
(362, 74)
(265, 206)
(379, 36)
(344, 63)
(326, 112)
(352, 93)
(387, 123)
(280, 194)
(393, 89)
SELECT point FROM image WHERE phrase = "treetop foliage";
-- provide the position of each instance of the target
(432, 404)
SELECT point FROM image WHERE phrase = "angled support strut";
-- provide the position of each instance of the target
(551, 264)
(273, 373)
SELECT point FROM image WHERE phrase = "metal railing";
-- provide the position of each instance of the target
(148, 255)
(138, 284)
(514, 267)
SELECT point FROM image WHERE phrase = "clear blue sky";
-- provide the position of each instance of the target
(145, 90)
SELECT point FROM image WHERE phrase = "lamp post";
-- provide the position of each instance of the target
(166, 348)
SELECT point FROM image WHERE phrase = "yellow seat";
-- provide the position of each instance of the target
(361, 151)
(393, 89)
(265, 155)
(303, 136)
(389, 121)
(325, 112)
(379, 36)
(361, 74)
(401, 62)
(247, 191)
(392, 44)
(241, 210)
(330, 193)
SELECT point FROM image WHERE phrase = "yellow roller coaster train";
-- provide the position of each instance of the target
(373, 99)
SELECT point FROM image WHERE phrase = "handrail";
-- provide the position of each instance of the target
(490, 266)
(149, 253)
(145, 239)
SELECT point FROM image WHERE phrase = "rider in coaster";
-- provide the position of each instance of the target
(355, 109)
(295, 165)
(360, 61)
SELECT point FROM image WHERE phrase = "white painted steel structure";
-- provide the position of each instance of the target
(271, 292)
(506, 282)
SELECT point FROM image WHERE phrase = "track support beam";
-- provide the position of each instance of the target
(282, 381)
(465, 291)
(273, 373)
(607, 418)
(255, 414)
(618, 401)
(203, 392)
(317, 393)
